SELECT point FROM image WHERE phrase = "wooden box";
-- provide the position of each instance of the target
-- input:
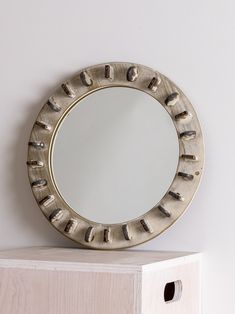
(77, 281)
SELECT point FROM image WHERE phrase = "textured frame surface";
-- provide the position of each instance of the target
(180, 193)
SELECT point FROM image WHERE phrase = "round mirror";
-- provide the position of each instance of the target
(115, 155)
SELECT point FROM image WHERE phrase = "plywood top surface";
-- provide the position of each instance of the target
(81, 259)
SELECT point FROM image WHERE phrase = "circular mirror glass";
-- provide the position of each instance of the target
(115, 155)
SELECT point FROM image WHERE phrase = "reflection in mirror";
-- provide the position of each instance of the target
(115, 155)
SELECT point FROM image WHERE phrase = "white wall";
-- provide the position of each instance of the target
(192, 42)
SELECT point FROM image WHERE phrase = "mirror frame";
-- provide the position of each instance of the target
(178, 196)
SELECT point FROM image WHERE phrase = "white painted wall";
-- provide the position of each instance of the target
(192, 42)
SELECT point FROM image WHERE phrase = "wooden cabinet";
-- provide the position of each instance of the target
(76, 281)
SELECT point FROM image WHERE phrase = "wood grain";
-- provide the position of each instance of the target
(59, 281)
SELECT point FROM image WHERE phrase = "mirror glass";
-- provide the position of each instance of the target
(115, 155)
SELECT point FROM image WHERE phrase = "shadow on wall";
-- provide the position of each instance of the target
(35, 227)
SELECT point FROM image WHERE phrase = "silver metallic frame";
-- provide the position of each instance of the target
(180, 193)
